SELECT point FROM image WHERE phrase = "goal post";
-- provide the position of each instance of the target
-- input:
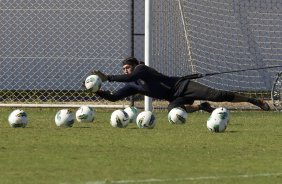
(148, 106)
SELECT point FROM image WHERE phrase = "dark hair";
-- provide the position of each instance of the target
(130, 61)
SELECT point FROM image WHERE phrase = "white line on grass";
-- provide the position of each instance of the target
(186, 179)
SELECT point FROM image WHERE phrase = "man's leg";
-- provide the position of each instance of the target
(260, 103)
(192, 108)
(205, 106)
(187, 104)
(227, 96)
(201, 92)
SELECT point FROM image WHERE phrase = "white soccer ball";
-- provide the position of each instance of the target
(93, 83)
(146, 119)
(119, 118)
(132, 113)
(64, 118)
(218, 120)
(177, 115)
(85, 114)
(18, 118)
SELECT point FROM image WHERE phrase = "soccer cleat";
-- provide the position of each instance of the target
(205, 106)
(261, 104)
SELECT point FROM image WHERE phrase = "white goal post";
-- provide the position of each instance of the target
(148, 106)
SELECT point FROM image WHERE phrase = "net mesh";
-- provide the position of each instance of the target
(191, 36)
(234, 35)
(47, 48)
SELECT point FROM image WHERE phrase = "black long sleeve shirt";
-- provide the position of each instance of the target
(143, 80)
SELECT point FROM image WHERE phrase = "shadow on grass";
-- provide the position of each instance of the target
(81, 127)
(231, 131)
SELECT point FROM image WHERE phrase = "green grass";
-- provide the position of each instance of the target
(89, 153)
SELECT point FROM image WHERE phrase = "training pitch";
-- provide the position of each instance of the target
(249, 151)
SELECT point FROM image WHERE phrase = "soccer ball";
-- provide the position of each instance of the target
(93, 83)
(119, 118)
(85, 114)
(132, 113)
(64, 118)
(18, 118)
(218, 120)
(146, 119)
(177, 115)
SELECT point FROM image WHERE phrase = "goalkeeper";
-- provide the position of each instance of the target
(180, 92)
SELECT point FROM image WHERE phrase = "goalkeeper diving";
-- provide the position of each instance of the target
(178, 91)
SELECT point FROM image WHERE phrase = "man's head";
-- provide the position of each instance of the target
(129, 64)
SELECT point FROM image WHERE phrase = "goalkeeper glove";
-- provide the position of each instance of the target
(102, 76)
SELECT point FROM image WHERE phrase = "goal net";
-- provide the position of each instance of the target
(192, 36)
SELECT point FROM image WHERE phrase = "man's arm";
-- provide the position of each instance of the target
(126, 91)
(140, 71)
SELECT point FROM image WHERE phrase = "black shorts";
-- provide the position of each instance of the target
(196, 91)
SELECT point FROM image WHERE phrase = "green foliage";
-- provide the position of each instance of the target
(188, 153)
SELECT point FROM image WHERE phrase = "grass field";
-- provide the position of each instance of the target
(249, 151)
